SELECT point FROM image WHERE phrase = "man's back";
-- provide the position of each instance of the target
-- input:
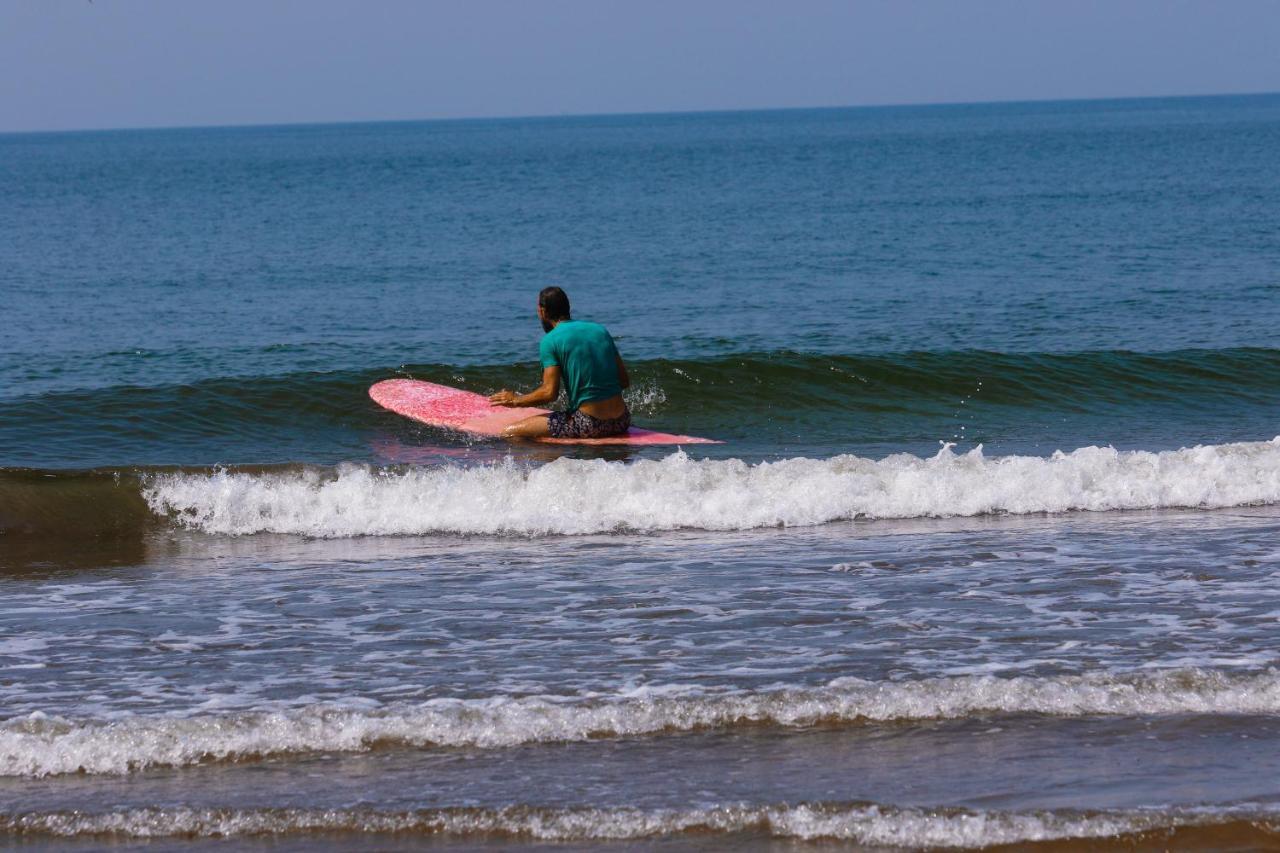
(587, 358)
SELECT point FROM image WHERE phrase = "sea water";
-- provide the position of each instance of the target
(989, 554)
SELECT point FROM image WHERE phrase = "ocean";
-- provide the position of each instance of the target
(988, 555)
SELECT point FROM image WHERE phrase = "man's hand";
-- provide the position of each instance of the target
(544, 393)
(503, 398)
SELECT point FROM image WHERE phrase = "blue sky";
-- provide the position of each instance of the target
(68, 64)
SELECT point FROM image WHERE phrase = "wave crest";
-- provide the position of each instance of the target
(39, 745)
(869, 824)
(575, 496)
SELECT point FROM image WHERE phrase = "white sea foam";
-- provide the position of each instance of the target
(865, 823)
(575, 496)
(40, 745)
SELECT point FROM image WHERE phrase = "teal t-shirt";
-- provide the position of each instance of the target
(588, 360)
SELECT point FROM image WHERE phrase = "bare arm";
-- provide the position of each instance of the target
(623, 379)
(544, 393)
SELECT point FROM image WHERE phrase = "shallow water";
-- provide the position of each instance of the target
(1034, 670)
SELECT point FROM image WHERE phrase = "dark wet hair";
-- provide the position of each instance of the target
(554, 302)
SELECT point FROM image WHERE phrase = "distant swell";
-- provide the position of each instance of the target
(1238, 827)
(39, 745)
(776, 378)
(573, 496)
(775, 398)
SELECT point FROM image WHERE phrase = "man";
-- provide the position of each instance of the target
(583, 356)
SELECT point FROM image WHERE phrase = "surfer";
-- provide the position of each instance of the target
(583, 357)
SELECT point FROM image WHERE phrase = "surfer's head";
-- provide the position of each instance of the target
(553, 306)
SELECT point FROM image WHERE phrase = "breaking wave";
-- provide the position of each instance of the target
(40, 745)
(860, 822)
(576, 496)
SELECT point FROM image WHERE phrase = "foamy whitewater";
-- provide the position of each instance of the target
(862, 823)
(571, 496)
(39, 745)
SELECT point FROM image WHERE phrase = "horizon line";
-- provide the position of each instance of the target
(632, 114)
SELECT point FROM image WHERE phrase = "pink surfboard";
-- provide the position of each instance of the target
(453, 408)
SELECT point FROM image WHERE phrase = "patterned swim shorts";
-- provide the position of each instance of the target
(578, 424)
